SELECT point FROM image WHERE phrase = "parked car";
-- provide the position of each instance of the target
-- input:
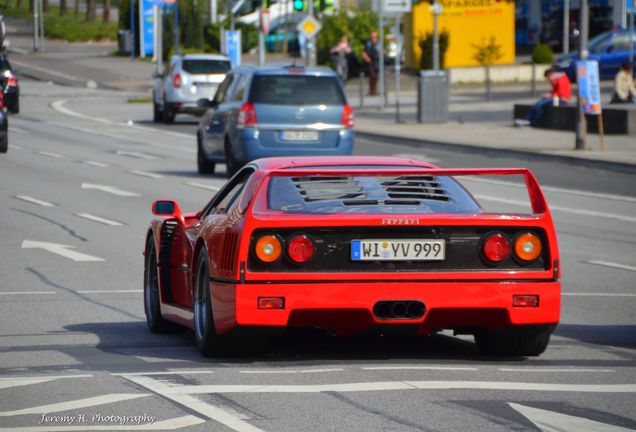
(9, 86)
(186, 79)
(610, 49)
(352, 244)
(274, 111)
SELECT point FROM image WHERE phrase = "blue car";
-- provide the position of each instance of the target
(274, 111)
(610, 49)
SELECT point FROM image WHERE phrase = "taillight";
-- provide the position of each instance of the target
(176, 80)
(247, 115)
(347, 116)
(300, 249)
(496, 248)
(268, 248)
(527, 247)
(12, 81)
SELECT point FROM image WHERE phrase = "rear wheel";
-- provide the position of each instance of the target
(231, 164)
(203, 164)
(513, 341)
(168, 113)
(15, 108)
(154, 319)
(204, 330)
(157, 112)
(4, 142)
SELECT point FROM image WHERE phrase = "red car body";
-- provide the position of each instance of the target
(204, 270)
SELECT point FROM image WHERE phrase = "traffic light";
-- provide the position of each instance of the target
(299, 5)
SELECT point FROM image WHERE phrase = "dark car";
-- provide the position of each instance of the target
(282, 28)
(9, 86)
(609, 49)
(274, 111)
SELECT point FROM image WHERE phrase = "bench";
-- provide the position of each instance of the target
(617, 119)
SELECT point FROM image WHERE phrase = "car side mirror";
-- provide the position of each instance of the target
(167, 208)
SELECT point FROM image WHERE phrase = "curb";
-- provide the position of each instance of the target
(589, 163)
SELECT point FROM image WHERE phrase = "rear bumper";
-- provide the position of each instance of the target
(348, 307)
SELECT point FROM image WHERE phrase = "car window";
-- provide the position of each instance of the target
(599, 43)
(222, 90)
(205, 66)
(226, 199)
(239, 89)
(296, 90)
(620, 43)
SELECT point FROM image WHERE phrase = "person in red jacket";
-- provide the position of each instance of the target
(560, 95)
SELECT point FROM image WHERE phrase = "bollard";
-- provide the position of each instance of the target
(361, 90)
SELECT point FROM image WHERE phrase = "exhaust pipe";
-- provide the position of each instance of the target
(399, 309)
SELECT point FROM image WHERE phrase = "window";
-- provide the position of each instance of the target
(296, 90)
(206, 67)
(620, 43)
(227, 197)
(239, 89)
(222, 90)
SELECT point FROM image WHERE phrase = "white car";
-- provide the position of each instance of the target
(186, 79)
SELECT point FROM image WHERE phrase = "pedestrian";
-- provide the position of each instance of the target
(340, 57)
(624, 89)
(559, 96)
(371, 55)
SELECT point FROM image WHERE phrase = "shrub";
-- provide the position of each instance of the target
(542, 54)
(487, 53)
(426, 46)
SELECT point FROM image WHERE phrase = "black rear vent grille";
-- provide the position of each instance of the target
(167, 234)
(415, 187)
(229, 251)
(328, 188)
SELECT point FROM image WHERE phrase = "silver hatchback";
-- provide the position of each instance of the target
(186, 79)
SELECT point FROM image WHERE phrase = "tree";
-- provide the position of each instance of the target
(106, 11)
(63, 7)
(76, 8)
(45, 5)
(486, 54)
(91, 6)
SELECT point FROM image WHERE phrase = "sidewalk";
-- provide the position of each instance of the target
(473, 121)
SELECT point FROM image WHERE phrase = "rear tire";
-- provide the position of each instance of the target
(15, 108)
(168, 113)
(514, 341)
(156, 322)
(231, 164)
(204, 165)
(4, 142)
(157, 113)
(204, 329)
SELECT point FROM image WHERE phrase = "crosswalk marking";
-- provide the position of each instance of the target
(75, 404)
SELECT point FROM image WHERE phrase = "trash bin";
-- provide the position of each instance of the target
(432, 100)
(123, 39)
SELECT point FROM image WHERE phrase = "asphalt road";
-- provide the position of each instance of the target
(77, 183)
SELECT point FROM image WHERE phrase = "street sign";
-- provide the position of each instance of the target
(397, 6)
(309, 27)
(233, 47)
(589, 86)
(146, 28)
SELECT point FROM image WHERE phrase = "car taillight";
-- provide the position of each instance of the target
(527, 247)
(496, 248)
(268, 248)
(176, 81)
(347, 116)
(12, 81)
(300, 249)
(247, 115)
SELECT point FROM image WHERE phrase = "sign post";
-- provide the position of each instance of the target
(146, 28)
(308, 28)
(394, 7)
(232, 42)
(581, 124)
(590, 92)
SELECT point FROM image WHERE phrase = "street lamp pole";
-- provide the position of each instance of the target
(566, 27)
(436, 13)
(581, 123)
(311, 43)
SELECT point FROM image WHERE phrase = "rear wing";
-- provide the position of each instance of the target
(537, 200)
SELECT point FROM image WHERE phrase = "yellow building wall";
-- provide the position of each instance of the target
(469, 23)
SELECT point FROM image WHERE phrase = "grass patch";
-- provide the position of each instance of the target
(140, 100)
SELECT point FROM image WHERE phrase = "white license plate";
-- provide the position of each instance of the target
(398, 250)
(299, 135)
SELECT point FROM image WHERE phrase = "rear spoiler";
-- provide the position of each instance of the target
(537, 200)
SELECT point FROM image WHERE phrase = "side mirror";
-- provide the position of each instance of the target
(167, 208)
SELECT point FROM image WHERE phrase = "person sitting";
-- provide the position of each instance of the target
(624, 89)
(560, 95)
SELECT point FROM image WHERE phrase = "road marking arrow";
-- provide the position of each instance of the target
(550, 421)
(58, 249)
(110, 189)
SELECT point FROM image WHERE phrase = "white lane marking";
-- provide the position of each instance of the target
(27, 292)
(110, 189)
(203, 186)
(146, 174)
(17, 130)
(228, 419)
(75, 404)
(51, 155)
(60, 249)
(582, 294)
(98, 219)
(291, 371)
(171, 424)
(95, 164)
(107, 291)
(556, 370)
(403, 385)
(22, 381)
(34, 201)
(436, 368)
(554, 189)
(559, 208)
(172, 372)
(160, 359)
(46, 70)
(162, 132)
(550, 421)
(612, 265)
(135, 154)
(15, 147)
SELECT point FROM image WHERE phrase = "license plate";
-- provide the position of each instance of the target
(299, 135)
(398, 250)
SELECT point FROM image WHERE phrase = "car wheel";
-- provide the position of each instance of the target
(204, 330)
(231, 164)
(204, 165)
(168, 113)
(156, 322)
(157, 113)
(4, 142)
(15, 108)
(512, 342)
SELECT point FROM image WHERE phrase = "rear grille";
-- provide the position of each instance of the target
(327, 188)
(333, 250)
(167, 234)
(229, 251)
(420, 187)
